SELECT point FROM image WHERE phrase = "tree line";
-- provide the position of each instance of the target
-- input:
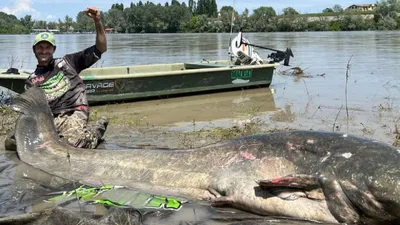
(203, 16)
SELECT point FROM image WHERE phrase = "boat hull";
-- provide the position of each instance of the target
(126, 83)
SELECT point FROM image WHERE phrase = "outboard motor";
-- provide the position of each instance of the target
(280, 55)
(243, 50)
(245, 53)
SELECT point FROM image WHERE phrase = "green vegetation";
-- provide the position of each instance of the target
(203, 16)
(9, 24)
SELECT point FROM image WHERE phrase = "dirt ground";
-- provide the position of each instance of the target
(7, 123)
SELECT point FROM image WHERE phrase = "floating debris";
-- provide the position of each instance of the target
(297, 72)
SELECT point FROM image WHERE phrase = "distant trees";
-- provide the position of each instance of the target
(337, 8)
(387, 8)
(118, 6)
(83, 23)
(192, 6)
(227, 13)
(289, 11)
(203, 16)
(66, 25)
(27, 22)
(9, 24)
(387, 14)
(262, 19)
(115, 17)
(207, 7)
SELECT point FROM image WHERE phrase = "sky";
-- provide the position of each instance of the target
(52, 10)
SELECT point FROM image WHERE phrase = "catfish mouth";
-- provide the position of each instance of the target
(392, 207)
(376, 203)
(388, 198)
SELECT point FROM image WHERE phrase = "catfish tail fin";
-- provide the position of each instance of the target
(32, 102)
(35, 125)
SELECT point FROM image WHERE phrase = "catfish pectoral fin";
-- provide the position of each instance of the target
(302, 181)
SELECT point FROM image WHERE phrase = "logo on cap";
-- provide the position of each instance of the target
(45, 36)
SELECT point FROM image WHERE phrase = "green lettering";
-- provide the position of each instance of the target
(241, 74)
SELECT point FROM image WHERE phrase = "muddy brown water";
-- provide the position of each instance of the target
(350, 84)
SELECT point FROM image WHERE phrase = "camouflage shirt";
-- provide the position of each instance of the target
(60, 80)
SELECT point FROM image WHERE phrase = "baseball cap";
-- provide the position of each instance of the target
(45, 36)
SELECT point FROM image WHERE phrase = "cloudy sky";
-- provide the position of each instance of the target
(51, 10)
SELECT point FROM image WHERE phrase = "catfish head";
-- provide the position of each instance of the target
(369, 177)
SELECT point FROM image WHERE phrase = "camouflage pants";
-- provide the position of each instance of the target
(73, 128)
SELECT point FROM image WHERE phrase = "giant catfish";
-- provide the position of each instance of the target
(319, 176)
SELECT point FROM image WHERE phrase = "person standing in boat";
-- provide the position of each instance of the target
(64, 89)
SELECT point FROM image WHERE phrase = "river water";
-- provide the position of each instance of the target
(373, 57)
(350, 84)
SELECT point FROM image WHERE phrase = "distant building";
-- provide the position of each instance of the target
(362, 7)
(45, 30)
(109, 30)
